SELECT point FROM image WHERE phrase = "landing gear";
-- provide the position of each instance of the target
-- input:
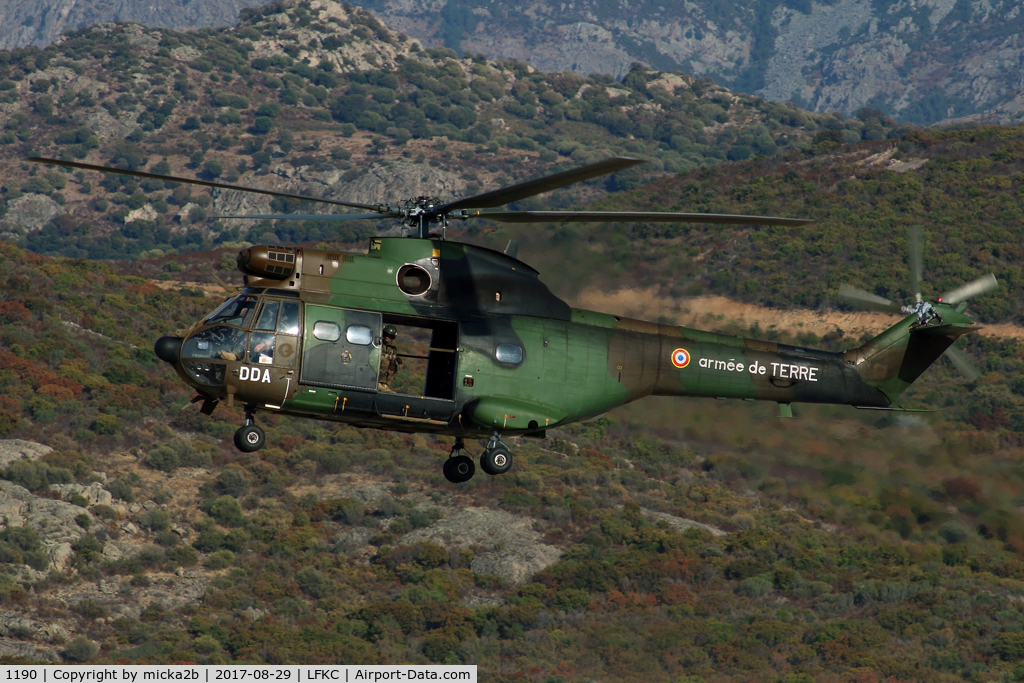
(458, 468)
(496, 458)
(249, 437)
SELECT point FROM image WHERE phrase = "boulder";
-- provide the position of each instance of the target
(15, 449)
(94, 493)
(31, 211)
(146, 213)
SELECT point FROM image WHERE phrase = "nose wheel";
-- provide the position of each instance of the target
(496, 458)
(458, 468)
(249, 437)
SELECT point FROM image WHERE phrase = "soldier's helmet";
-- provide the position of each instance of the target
(390, 333)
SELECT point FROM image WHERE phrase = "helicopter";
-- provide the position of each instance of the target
(312, 333)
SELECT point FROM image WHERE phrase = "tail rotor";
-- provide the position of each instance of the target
(925, 310)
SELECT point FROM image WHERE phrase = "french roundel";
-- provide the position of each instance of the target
(680, 358)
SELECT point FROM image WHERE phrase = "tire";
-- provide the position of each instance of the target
(249, 439)
(459, 469)
(497, 460)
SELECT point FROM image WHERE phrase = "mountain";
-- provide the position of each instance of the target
(40, 22)
(321, 99)
(920, 62)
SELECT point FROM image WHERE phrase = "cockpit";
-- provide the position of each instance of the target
(247, 328)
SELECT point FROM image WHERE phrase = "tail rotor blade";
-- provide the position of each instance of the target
(962, 363)
(982, 285)
(858, 297)
(915, 260)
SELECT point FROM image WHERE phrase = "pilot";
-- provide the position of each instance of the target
(389, 359)
(235, 346)
(262, 348)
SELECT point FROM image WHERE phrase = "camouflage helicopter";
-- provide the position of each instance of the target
(313, 334)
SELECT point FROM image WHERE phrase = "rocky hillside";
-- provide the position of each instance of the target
(312, 97)
(670, 540)
(918, 61)
(41, 22)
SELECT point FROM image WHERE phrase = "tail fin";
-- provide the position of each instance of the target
(895, 358)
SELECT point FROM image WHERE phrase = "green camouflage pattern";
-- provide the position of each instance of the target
(575, 364)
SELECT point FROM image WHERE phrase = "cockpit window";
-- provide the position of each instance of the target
(268, 316)
(235, 312)
(216, 343)
(289, 322)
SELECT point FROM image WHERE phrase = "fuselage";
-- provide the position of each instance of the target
(496, 351)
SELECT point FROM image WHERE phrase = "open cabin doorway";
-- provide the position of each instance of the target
(429, 353)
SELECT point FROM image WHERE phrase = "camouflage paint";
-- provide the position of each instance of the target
(575, 363)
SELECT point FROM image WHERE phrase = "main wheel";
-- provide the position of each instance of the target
(459, 469)
(249, 438)
(496, 460)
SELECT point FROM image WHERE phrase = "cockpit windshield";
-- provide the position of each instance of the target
(215, 343)
(234, 312)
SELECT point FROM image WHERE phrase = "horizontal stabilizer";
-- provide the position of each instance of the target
(951, 331)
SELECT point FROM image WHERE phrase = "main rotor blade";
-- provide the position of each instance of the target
(194, 181)
(626, 216)
(310, 216)
(982, 285)
(541, 185)
(962, 363)
(915, 260)
(859, 297)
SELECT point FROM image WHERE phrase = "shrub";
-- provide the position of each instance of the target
(183, 555)
(163, 458)
(221, 559)
(315, 583)
(233, 482)
(80, 649)
(107, 425)
(104, 512)
(227, 511)
(119, 488)
(90, 609)
(262, 125)
(206, 644)
(156, 520)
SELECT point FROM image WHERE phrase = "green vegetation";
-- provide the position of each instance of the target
(857, 543)
(964, 187)
(228, 115)
(860, 546)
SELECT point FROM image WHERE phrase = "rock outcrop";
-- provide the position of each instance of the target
(924, 61)
(53, 520)
(16, 449)
(509, 545)
(40, 22)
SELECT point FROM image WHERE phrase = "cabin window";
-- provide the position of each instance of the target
(268, 317)
(289, 321)
(509, 353)
(327, 331)
(235, 312)
(413, 280)
(360, 335)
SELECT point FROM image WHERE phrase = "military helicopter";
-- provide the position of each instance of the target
(311, 334)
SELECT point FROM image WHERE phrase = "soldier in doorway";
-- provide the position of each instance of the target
(390, 362)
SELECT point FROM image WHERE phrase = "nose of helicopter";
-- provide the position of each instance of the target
(167, 349)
